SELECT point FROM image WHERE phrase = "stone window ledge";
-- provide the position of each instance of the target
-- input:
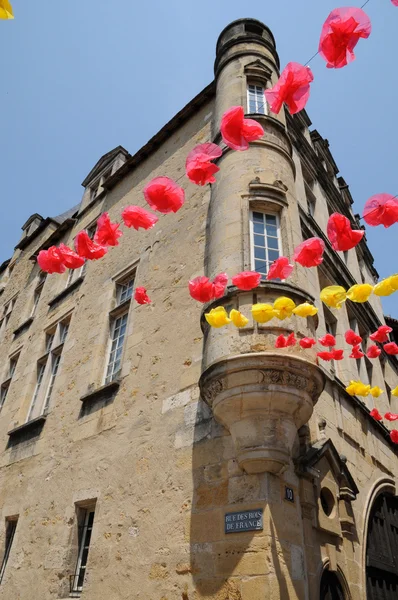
(23, 326)
(28, 426)
(102, 392)
(73, 286)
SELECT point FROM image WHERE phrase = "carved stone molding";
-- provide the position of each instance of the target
(262, 399)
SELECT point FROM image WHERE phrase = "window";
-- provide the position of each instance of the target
(118, 333)
(7, 310)
(76, 273)
(256, 102)
(369, 370)
(5, 386)
(124, 290)
(310, 196)
(85, 530)
(47, 369)
(38, 291)
(11, 525)
(265, 241)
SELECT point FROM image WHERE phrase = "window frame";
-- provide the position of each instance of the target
(11, 523)
(251, 239)
(111, 376)
(81, 568)
(255, 95)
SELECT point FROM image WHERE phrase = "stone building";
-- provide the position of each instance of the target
(147, 456)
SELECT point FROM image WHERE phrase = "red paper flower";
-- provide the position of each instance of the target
(307, 342)
(164, 195)
(395, 2)
(390, 416)
(340, 34)
(391, 348)
(237, 131)
(280, 269)
(247, 280)
(352, 338)
(327, 340)
(356, 352)
(340, 234)
(87, 248)
(373, 352)
(293, 88)
(327, 356)
(140, 296)
(204, 290)
(394, 436)
(107, 233)
(375, 414)
(198, 166)
(70, 259)
(291, 340)
(381, 209)
(51, 260)
(280, 342)
(381, 335)
(135, 216)
(310, 252)
(338, 354)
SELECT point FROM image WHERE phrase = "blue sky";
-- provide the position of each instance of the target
(80, 77)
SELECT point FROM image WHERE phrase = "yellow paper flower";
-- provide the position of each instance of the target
(6, 10)
(283, 307)
(394, 281)
(262, 313)
(357, 388)
(237, 318)
(385, 287)
(360, 292)
(376, 391)
(333, 296)
(305, 310)
(394, 392)
(217, 317)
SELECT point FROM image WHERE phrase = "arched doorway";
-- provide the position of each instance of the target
(330, 587)
(382, 549)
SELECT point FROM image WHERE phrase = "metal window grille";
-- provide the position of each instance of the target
(77, 580)
(265, 238)
(256, 99)
(118, 333)
(10, 533)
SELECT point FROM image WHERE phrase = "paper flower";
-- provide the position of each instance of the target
(307, 342)
(381, 335)
(394, 392)
(217, 317)
(376, 391)
(282, 342)
(140, 296)
(164, 195)
(310, 252)
(385, 287)
(88, 248)
(341, 235)
(237, 131)
(394, 2)
(381, 209)
(391, 348)
(357, 388)
(262, 313)
(70, 259)
(375, 414)
(107, 233)
(340, 34)
(280, 269)
(337, 354)
(135, 216)
(326, 356)
(373, 352)
(51, 261)
(204, 290)
(394, 436)
(328, 340)
(283, 307)
(305, 310)
(356, 352)
(6, 12)
(198, 166)
(292, 88)
(360, 292)
(247, 280)
(389, 416)
(237, 318)
(333, 296)
(352, 338)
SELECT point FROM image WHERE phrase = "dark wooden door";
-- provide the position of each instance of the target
(330, 587)
(382, 550)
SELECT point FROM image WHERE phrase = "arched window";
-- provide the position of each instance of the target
(330, 587)
(382, 549)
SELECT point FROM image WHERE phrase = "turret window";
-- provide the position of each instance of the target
(256, 102)
(265, 240)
